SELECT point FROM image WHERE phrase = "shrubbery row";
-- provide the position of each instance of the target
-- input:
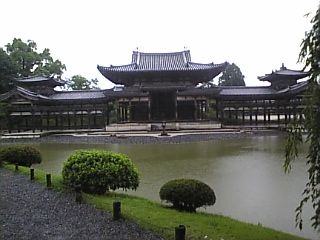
(21, 155)
(99, 171)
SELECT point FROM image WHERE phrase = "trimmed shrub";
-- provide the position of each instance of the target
(99, 171)
(187, 194)
(21, 155)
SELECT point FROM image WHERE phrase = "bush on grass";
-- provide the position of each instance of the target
(99, 171)
(187, 194)
(21, 155)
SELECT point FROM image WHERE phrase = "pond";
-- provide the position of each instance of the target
(246, 175)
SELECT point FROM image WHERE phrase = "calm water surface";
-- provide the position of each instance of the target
(246, 175)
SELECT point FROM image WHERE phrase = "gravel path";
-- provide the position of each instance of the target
(30, 211)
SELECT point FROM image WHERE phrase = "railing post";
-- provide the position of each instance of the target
(180, 232)
(31, 173)
(116, 210)
(48, 177)
(78, 194)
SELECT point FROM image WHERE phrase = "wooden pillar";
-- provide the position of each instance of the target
(95, 115)
(69, 120)
(81, 118)
(195, 109)
(118, 112)
(217, 109)
(176, 109)
(123, 114)
(278, 112)
(34, 122)
(74, 119)
(236, 107)
(89, 118)
(26, 122)
(48, 120)
(243, 113)
(9, 126)
(41, 120)
(149, 106)
(56, 119)
(61, 119)
(18, 122)
(285, 114)
(207, 110)
(256, 113)
(222, 112)
(264, 112)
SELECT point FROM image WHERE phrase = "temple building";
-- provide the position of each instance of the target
(154, 87)
(161, 87)
(33, 104)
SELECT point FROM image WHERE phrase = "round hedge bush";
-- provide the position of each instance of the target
(21, 155)
(187, 194)
(99, 171)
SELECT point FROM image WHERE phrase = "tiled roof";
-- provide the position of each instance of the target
(76, 95)
(284, 73)
(176, 61)
(22, 92)
(240, 91)
(88, 95)
(159, 62)
(40, 78)
(260, 92)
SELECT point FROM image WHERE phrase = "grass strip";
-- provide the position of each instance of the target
(163, 220)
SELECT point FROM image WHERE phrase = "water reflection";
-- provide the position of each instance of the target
(246, 174)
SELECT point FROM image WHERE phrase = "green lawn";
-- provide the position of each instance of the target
(162, 219)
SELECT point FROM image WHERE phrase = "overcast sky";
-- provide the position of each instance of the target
(257, 35)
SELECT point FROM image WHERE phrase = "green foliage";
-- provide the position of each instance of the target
(310, 55)
(99, 171)
(232, 76)
(187, 194)
(2, 116)
(28, 62)
(8, 71)
(21, 155)
(77, 82)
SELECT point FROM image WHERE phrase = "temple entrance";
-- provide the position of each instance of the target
(162, 105)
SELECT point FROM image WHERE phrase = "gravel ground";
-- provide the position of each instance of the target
(30, 211)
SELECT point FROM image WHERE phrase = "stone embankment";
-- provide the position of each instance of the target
(130, 138)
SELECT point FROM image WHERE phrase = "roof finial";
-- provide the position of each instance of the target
(137, 49)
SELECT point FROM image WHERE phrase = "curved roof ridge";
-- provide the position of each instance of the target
(162, 53)
(24, 92)
(118, 67)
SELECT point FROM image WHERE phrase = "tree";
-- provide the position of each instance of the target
(77, 82)
(8, 70)
(29, 62)
(232, 76)
(310, 56)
